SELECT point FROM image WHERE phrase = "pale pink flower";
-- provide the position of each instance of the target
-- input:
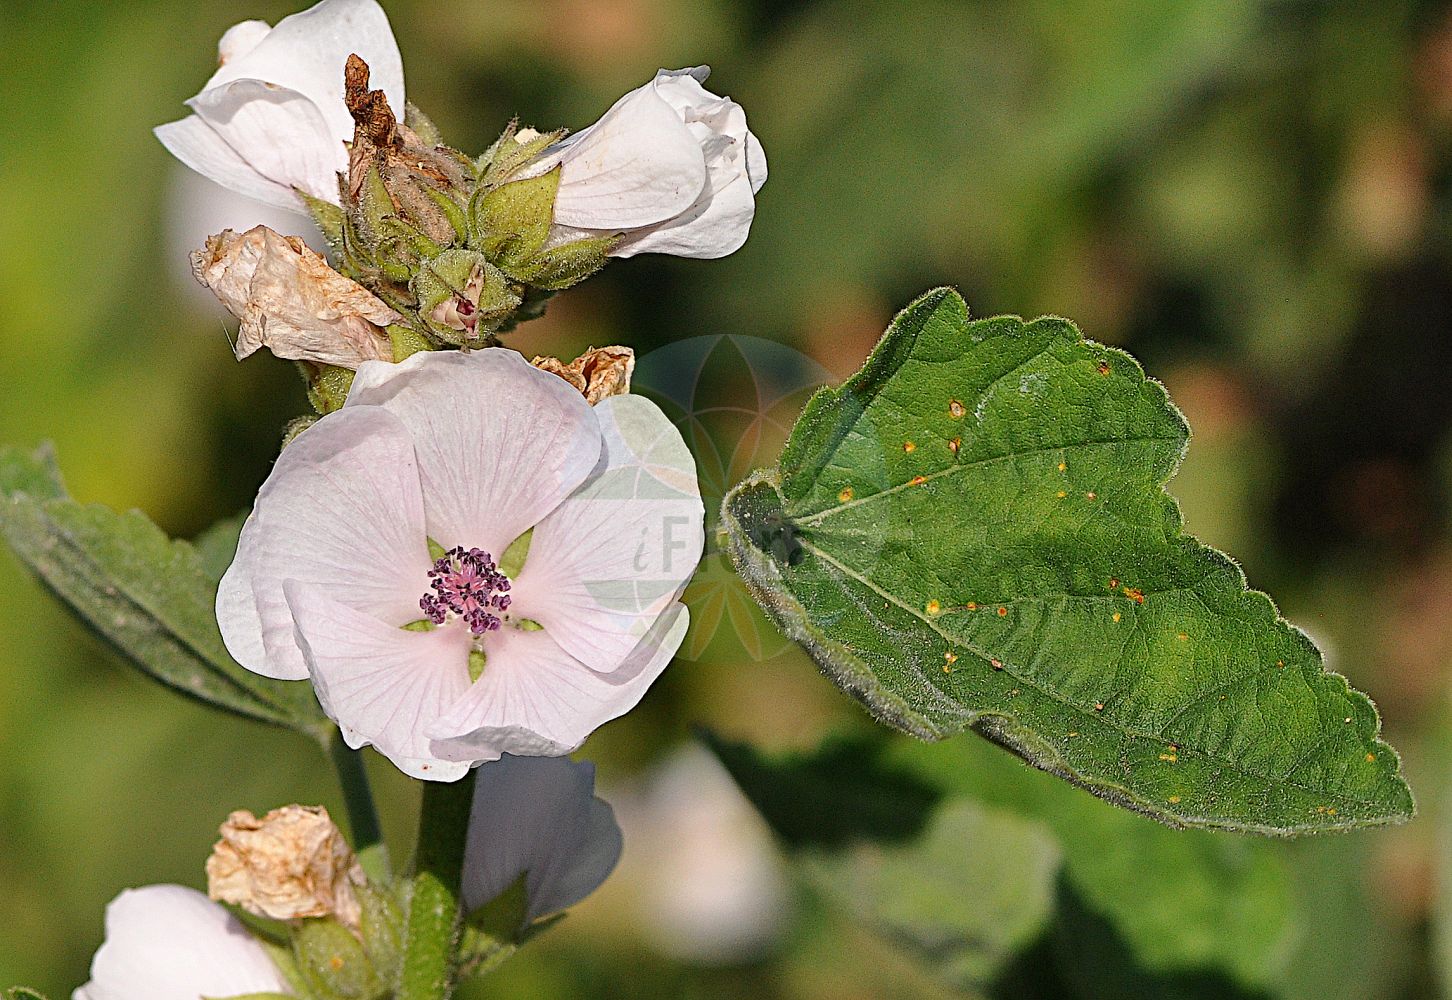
(167, 942)
(469, 450)
(671, 166)
(272, 117)
(538, 818)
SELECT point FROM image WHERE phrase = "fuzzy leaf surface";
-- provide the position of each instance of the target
(150, 597)
(973, 533)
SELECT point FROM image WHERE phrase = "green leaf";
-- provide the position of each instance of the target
(151, 598)
(23, 993)
(1177, 910)
(973, 532)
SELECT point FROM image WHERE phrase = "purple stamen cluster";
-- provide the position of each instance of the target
(466, 583)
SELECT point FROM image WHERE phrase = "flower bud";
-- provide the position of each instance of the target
(289, 864)
(599, 373)
(290, 301)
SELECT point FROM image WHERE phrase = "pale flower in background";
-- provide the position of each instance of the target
(272, 117)
(167, 942)
(469, 451)
(538, 817)
(709, 882)
(292, 863)
(290, 301)
(671, 166)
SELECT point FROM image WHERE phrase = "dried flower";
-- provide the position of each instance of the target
(599, 373)
(291, 863)
(290, 301)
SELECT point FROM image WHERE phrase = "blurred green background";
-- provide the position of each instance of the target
(1255, 198)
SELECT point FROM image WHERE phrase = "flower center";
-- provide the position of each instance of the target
(466, 583)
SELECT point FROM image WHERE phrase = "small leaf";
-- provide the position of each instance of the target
(150, 597)
(23, 993)
(973, 533)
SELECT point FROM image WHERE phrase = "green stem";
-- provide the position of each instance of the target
(431, 938)
(362, 816)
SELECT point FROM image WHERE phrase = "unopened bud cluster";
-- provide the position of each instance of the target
(456, 246)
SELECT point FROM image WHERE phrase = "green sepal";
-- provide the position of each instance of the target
(452, 211)
(421, 124)
(511, 560)
(495, 930)
(375, 210)
(328, 385)
(332, 961)
(503, 159)
(564, 265)
(381, 922)
(509, 223)
(296, 426)
(328, 217)
(23, 993)
(407, 341)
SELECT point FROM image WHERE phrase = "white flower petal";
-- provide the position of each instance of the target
(534, 699)
(280, 132)
(637, 166)
(500, 443)
(306, 53)
(716, 226)
(194, 142)
(167, 942)
(342, 510)
(755, 162)
(382, 684)
(241, 39)
(538, 815)
(606, 562)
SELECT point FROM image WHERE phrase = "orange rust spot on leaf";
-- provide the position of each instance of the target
(1062, 466)
(1061, 494)
(955, 408)
(909, 447)
(1116, 616)
(950, 657)
(1099, 706)
(1091, 495)
(933, 608)
(1370, 757)
(971, 605)
(845, 494)
(1174, 800)
(1169, 757)
(1104, 368)
(955, 444)
(996, 664)
(1134, 594)
(1113, 582)
(917, 480)
(1183, 637)
(1002, 612)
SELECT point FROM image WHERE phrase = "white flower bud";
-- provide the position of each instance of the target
(671, 166)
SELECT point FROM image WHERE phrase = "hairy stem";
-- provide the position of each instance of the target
(431, 939)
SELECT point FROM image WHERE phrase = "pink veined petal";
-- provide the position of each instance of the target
(193, 141)
(610, 559)
(280, 132)
(383, 685)
(167, 942)
(536, 700)
(637, 166)
(342, 510)
(538, 817)
(306, 53)
(500, 443)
